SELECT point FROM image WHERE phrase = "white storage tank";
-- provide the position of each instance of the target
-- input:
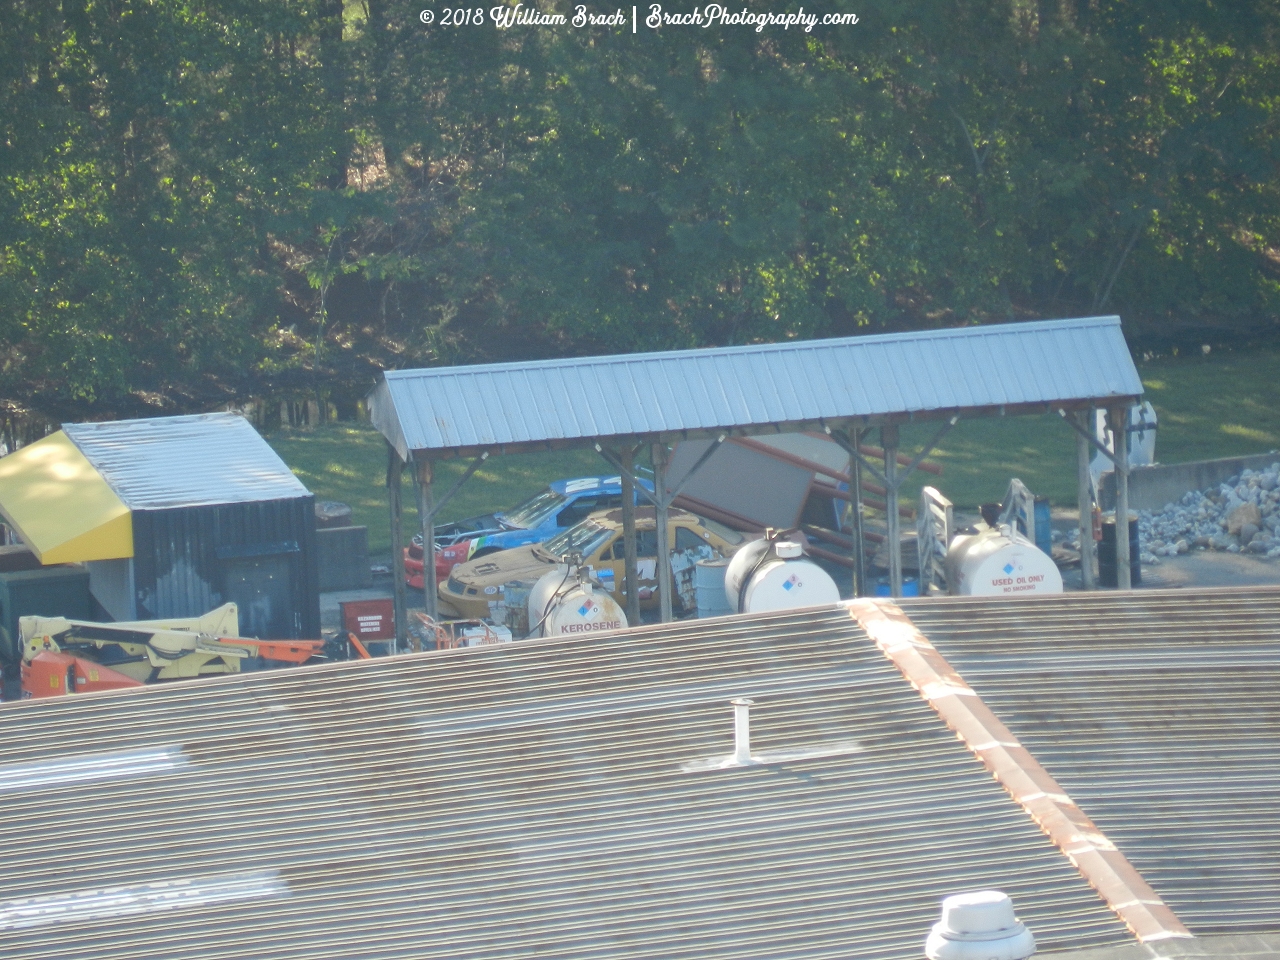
(769, 575)
(567, 602)
(998, 561)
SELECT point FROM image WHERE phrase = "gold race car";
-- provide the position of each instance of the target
(473, 586)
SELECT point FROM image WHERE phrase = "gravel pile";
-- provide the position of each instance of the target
(1240, 516)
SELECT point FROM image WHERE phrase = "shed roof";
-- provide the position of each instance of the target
(549, 798)
(1158, 712)
(61, 506)
(794, 385)
(166, 462)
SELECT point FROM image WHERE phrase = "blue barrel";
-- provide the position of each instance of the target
(910, 587)
(1044, 526)
(708, 585)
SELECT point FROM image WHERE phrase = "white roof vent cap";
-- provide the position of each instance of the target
(787, 549)
(979, 926)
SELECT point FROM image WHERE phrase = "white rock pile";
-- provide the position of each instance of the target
(1240, 516)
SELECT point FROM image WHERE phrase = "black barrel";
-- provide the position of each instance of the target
(1107, 554)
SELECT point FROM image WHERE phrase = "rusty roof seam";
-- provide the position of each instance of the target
(1030, 785)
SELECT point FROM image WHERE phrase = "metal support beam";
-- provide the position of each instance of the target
(1084, 502)
(660, 463)
(472, 467)
(1119, 417)
(855, 522)
(698, 465)
(630, 584)
(422, 476)
(927, 449)
(613, 460)
(428, 508)
(892, 481)
(1088, 436)
(852, 448)
(395, 466)
(889, 441)
(661, 499)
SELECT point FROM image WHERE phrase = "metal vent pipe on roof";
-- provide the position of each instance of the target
(979, 926)
(742, 730)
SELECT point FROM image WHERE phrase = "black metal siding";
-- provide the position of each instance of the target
(179, 556)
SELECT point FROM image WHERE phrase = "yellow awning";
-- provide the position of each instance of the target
(61, 506)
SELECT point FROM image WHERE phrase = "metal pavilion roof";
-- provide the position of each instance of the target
(794, 385)
(1158, 712)
(190, 461)
(550, 798)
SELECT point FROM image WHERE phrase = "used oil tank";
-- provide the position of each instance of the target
(769, 575)
(998, 561)
(567, 601)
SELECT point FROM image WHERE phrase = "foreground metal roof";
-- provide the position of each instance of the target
(553, 798)
(1159, 713)
(1244, 946)
(166, 462)
(794, 385)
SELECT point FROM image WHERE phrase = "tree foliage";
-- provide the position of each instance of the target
(210, 200)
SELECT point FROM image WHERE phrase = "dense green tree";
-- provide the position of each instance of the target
(157, 159)
(216, 199)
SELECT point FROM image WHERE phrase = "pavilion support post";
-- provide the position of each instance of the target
(660, 459)
(889, 441)
(855, 521)
(630, 585)
(427, 519)
(395, 466)
(1119, 417)
(1084, 502)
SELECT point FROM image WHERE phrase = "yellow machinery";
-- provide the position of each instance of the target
(61, 656)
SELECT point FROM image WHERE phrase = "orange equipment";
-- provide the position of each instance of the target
(52, 674)
(62, 656)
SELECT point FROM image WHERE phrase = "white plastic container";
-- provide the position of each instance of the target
(764, 576)
(999, 562)
(561, 605)
(979, 926)
(483, 636)
(1142, 439)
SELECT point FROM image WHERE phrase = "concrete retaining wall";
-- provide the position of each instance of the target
(1150, 488)
(343, 558)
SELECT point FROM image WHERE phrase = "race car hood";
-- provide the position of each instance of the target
(518, 563)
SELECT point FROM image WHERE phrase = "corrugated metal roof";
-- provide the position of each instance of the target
(1246, 946)
(526, 800)
(793, 384)
(1159, 713)
(199, 460)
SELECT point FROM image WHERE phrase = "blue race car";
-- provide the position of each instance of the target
(561, 505)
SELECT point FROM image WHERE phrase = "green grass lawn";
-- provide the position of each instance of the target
(1221, 405)
(348, 462)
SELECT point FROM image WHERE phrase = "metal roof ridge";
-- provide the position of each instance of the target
(188, 417)
(1031, 786)
(788, 346)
